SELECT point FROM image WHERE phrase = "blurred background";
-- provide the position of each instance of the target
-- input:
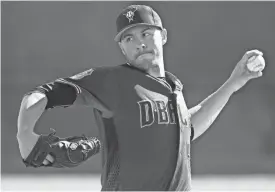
(42, 41)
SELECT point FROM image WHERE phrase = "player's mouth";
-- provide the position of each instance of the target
(144, 54)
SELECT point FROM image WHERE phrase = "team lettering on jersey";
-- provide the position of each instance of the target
(150, 109)
(155, 107)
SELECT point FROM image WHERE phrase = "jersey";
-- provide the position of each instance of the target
(143, 121)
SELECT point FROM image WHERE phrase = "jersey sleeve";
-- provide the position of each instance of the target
(87, 88)
(58, 93)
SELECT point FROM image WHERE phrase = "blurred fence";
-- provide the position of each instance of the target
(92, 183)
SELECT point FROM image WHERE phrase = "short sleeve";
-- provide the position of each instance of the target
(97, 83)
(58, 93)
(87, 88)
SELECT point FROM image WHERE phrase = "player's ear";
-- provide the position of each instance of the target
(121, 47)
(164, 36)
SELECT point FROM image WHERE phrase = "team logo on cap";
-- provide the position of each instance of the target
(130, 15)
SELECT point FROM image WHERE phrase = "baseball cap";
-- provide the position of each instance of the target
(135, 15)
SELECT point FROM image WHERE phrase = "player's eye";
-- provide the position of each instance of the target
(128, 39)
(145, 34)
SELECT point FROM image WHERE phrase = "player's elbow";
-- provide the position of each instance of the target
(33, 99)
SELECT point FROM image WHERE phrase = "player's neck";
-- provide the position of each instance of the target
(156, 74)
(157, 71)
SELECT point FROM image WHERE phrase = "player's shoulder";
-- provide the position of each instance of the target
(118, 67)
(113, 71)
(110, 69)
(97, 71)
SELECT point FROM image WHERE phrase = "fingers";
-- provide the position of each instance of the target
(256, 74)
(254, 52)
(251, 53)
(46, 162)
(49, 159)
(259, 67)
(260, 73)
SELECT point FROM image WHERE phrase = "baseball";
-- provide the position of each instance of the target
(256, 64)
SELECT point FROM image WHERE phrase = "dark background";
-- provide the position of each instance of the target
(42, 41)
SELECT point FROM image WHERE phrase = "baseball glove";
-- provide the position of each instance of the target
(67, 152)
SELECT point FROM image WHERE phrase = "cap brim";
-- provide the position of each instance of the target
(118, 36)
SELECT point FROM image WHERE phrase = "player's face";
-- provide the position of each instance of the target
(143, 47)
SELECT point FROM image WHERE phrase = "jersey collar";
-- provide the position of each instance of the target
(171, 77)
(178, 86)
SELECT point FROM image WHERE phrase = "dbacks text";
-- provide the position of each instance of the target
(150, 109)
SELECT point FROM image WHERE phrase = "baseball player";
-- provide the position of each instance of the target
(144, 124)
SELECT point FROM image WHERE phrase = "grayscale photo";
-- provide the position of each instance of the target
(137, 96)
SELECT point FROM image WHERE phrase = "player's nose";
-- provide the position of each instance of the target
(140, 45)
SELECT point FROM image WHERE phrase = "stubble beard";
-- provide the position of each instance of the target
(149, 66)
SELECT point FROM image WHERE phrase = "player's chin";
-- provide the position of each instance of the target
(141, 66)
(144, 61)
